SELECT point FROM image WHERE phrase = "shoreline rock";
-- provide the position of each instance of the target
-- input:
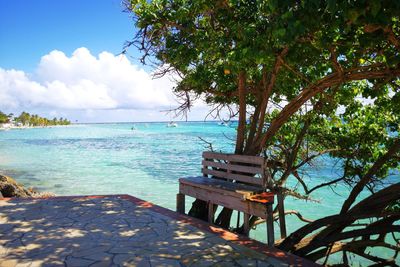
(10, 188)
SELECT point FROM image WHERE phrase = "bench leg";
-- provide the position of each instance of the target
(270, 226)
(246, 224)
(210, 212)
(180, 203)
(281, 211)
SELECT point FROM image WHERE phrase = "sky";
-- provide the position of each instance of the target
(61, 58)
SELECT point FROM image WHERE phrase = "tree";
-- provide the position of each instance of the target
(35, 120)
(24, 118)
(290, 67)
(3, 118)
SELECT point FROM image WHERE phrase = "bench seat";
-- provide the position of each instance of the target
(227, 194)
(223, 186)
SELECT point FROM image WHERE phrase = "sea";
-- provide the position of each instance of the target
(144, 160)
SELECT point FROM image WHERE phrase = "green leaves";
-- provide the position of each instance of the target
(375, 7)
(4, 118)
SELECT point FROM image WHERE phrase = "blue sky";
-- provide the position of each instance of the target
(60, 58)
(30, 29)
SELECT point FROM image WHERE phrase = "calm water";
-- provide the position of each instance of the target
(141, 159)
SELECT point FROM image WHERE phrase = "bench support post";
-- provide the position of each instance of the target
(281, 212)
(246, 223)
(210, 212)
(270, 226)
(180, 203)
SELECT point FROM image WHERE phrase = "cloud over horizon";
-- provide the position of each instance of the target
(85, 82)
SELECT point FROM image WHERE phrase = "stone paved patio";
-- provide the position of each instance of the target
(110, 231)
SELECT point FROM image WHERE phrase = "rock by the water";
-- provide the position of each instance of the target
(10, 188)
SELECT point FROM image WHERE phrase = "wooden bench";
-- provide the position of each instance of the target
(233, 181)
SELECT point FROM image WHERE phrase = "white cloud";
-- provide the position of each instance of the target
(83, 81)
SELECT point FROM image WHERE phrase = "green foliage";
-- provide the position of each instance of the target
(35, 120)
(4, 118)
(357, 138)
(201, 39)
(394, 207)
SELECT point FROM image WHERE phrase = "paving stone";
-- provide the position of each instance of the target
(137, 261)
(274, 262)
(8, 263)
(225, 264)
(39, 253)
(15, 247)
(91, 252)
(122, 249)
(101, 256)
(122, 258)
(163, 262)
(37, 263)
(246, 262)
(77, 262)
(266, 263)
(3, 251)
(4, 226)
(26, 263)
(102, 263)
(204, 263)
(52, 263)
(144, 237)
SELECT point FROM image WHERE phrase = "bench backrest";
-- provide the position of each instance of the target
(246, 169)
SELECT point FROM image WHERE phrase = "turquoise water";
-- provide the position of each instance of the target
(141, 159)
(109, 158)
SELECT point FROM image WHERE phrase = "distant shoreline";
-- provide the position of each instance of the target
(125, 122)
(2, 128)
(15, 127)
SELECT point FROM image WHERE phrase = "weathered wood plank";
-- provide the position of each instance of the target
(246, 224)
(234, 176)
(233, 167)
(232, 157)
(180, 203)
(281, 214)
(210, 212)
(224, 187)
(270, 226)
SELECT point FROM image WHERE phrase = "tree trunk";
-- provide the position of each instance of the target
(242, 113)
(199, 210)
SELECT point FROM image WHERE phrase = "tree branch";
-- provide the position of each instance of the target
(325, 184)
(294, 212)
(328, 81)
(368, 176)
(310, 158)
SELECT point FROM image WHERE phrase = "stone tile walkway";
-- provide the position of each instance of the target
(110, 231)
